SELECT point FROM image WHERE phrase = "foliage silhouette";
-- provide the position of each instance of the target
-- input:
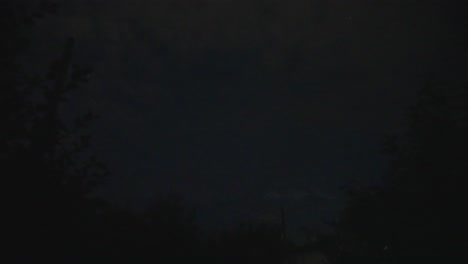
(253, 243)
(44, 163)
(420, 215)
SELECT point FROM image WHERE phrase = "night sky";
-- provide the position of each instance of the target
(245, 106)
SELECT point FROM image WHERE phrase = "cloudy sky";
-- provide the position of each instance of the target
(243, 106)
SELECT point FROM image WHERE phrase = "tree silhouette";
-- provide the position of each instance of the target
(252, 243)
(45, 165)
(51, 175)
(175, 235)
(420, 215)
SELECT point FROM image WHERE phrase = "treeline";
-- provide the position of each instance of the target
(420, 214)
(50, 176)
